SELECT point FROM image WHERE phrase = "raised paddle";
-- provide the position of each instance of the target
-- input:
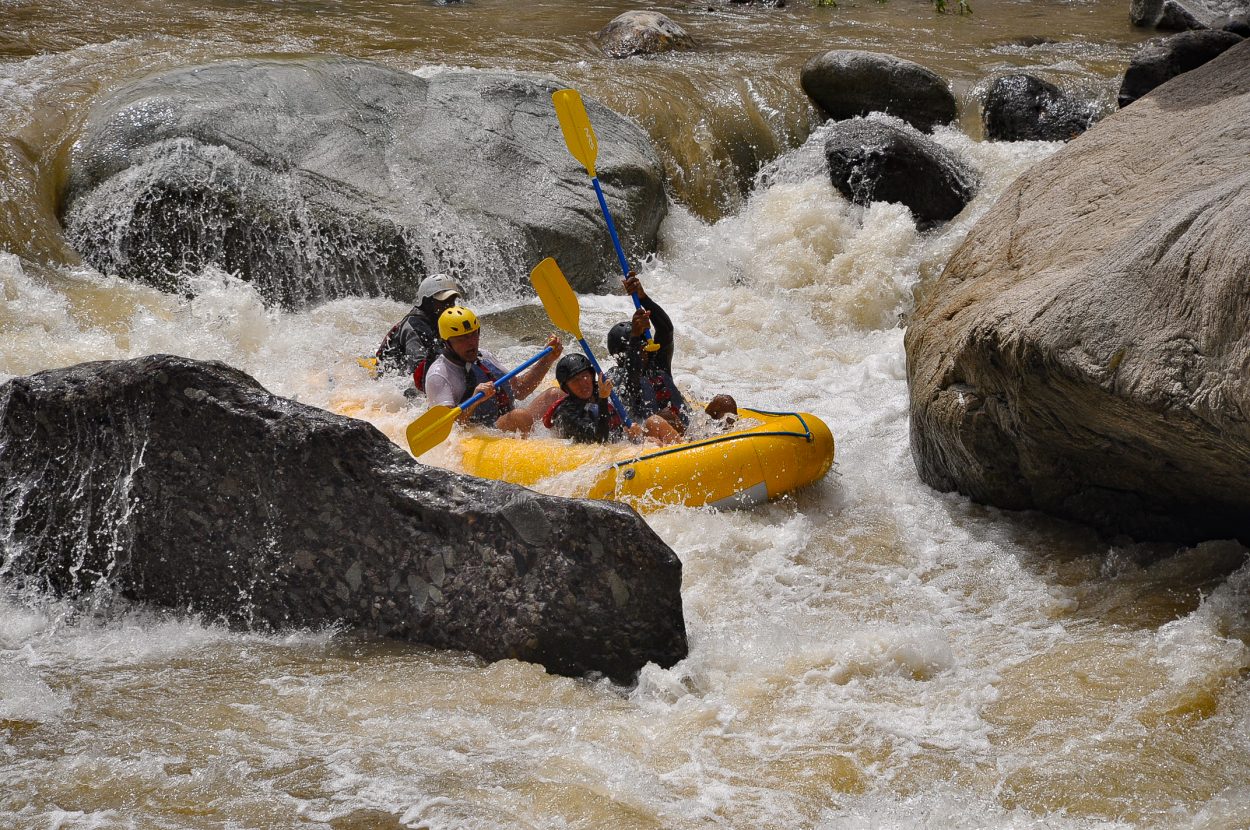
(432, 428)
(564, 310)
(581, 141)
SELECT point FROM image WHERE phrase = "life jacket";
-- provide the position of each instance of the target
(484, 371)
(394, 353)
(389, 354)
(550, 414)
(659, 392)
(614, 419)
(418, 373)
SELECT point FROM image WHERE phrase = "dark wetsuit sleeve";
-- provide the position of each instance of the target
(424, 342)
(662, 332)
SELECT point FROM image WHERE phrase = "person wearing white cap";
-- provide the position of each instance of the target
(412, 344)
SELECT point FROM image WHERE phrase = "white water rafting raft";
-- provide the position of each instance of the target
(768, 455)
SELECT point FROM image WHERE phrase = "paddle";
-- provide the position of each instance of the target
(432, 428)
(563, 309)
(581, 141)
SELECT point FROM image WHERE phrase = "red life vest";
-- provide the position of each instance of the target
(418, 374)
(551, 411)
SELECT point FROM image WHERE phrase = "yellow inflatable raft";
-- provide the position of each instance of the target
(780, 453)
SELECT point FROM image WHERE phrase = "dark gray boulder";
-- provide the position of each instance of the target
(321, 177)
(1022, 107)
(187, 485)
(641, 33)
(877, 161)
(1085, 351)
(1181, 15)
(1157, 63)
(846, 83)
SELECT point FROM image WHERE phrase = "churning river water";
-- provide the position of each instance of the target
(868, 653)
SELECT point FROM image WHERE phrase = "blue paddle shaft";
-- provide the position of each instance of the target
(509, 376)
(616, 243)
(616, 402)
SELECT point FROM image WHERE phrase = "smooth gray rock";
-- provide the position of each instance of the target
(1022, 107)
(1085, 351)
(1181, 15)
(876, 161)
(1158, 63)
(642, 33)
(322, 177)
(187, 485)
(846, 83)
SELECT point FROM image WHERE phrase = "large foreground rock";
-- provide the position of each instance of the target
(187, 485)
(322, 177)
(1087, 349)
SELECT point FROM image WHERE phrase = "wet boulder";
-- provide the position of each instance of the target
(877, 160)
(1084, 352)
(642, 33)
(1181, 15)
(1022, 107)
(846, 83)
(187, 485)
(1157, 63)
(322, 177)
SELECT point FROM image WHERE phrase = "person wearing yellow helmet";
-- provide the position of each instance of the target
(464, 369)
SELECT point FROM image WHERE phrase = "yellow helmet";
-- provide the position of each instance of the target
(456, 321)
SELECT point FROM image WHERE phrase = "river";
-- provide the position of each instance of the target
(868, 653)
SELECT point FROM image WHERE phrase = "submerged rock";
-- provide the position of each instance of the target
(846, 83)
(875, 161)
(317, 178)
(1085, 351)
(642, 33)
(187, 485)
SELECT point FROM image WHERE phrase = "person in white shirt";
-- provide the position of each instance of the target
(464, 369)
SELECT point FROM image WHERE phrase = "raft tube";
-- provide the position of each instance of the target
(785, 451)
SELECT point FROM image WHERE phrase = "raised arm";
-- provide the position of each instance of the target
(661, 325)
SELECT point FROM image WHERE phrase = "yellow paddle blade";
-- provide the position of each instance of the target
(431, 429)
(557, 296)
(369, 364)
(575, 125)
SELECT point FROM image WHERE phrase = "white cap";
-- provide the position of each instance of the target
(438, 287)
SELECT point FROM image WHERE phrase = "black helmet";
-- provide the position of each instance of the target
(570, 366)
(618, 337)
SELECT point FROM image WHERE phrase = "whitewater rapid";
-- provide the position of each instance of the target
(866, 653)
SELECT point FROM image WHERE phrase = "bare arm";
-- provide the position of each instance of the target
(526, 382)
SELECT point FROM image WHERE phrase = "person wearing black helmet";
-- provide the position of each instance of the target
(584, 413)
(412, 344)
(644, 371)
